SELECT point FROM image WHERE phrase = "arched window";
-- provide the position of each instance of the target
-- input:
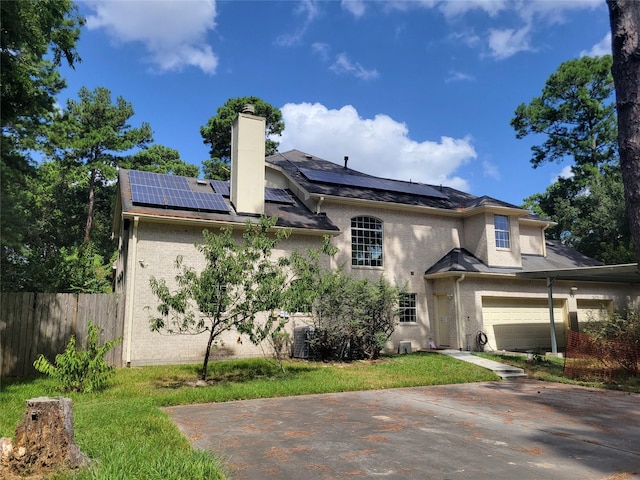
(366, 242)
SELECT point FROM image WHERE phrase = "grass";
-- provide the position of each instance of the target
(550, 369)
(127, 435)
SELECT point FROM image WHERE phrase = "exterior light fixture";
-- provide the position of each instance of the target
(572, 291)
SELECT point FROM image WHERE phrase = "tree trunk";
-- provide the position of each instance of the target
(92, 194)
(625, 38)
(205, 364)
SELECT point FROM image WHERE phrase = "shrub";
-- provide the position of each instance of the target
(618, 339)
(78, 370)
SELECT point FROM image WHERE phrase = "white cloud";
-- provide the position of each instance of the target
(344, 65)
(356, 7)
(458, 8)
(490, 170)
(321, 49)
(506, 43)
(566, 172)
(174, 36)
(307, 9)
(379, 146)
(603, 47)
(455, 76)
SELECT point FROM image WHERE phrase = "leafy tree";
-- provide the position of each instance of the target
(30, 30)
(160, 159)
(576, 116)
(217, 132)
(625, 29)
(89, 134)
(238, 281)
(216, 169)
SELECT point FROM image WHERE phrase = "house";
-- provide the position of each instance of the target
(471, 265)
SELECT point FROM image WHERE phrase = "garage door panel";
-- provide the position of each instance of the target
(521, 324)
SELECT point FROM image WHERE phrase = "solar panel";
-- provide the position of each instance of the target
(277, 195)
(172, 191)
(220, 187)
(371, 182)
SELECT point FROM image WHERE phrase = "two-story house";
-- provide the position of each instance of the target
(463, 259)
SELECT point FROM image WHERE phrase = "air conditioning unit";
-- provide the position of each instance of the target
(301, 338)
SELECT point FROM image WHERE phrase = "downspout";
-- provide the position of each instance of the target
(132, 286)
(554, 344)
(459, 310)
(318, 205)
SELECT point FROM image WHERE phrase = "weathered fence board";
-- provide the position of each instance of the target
(35, 323)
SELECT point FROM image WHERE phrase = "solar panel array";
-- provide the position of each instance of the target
(275, 195)
(371, 182)
(220, 187)
(172, 191)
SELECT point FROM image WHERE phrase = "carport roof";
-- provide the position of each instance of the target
(626, 273)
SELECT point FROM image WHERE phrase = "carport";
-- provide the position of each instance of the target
(625, 273)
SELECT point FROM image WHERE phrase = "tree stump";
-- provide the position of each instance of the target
(44, 441)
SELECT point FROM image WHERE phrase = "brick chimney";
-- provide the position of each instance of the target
(247, 163)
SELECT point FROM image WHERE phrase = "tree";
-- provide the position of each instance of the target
(625, 29)
(89, 134)
(160, 159)
(216, 169)
(576, 115)
(217, 132)
(238, 281)
(29, 31)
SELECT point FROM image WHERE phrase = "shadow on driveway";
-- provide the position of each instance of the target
(496, 430)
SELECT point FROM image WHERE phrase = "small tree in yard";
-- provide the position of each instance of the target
(239, 281)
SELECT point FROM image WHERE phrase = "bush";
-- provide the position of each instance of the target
(78, 370)
(353, 319)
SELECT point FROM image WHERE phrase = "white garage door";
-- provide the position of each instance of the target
(521, 323)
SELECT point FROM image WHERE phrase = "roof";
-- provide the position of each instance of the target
(291, 215)
(331, 179)
(559, 257)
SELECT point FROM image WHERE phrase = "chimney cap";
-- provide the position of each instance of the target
(248, 108)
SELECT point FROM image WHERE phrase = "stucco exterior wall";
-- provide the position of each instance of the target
(503, 257)
(531, 238)
(475, 236)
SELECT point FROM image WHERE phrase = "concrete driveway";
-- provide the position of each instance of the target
(496, 430)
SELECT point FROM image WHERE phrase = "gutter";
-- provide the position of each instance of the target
(132, 283)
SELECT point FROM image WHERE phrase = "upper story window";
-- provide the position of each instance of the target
(501, 224)
(408, 310)
(366, 242)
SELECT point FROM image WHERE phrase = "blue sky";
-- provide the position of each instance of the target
(420, 90)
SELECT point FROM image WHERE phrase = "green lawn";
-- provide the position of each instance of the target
(550, 369)
(128, 436)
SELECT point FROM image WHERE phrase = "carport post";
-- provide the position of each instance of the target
(554, 344)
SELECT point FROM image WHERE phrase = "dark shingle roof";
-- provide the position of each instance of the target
(558, 256)
(294, 215)
(293, 161)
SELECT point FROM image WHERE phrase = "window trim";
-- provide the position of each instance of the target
(502, 236)
(367, 250)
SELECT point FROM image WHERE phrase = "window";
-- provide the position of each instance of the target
(501, 223)
(366, 242)
(407, 304)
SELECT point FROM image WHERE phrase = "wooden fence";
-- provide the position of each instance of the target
(35, 323)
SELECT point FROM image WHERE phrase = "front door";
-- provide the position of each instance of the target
(442, 321)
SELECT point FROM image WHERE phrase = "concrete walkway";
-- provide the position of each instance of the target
(502, 370)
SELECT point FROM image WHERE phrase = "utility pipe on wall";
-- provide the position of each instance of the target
(459, 280)
(133, 260)
(554, 344)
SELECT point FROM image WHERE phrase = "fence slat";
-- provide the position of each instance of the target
(31, 324)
